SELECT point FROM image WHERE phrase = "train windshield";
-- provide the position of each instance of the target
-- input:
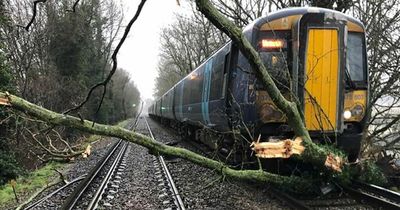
(273, 48)
(276, 64)
(356, 63)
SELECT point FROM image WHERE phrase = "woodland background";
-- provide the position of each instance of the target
(56, 62)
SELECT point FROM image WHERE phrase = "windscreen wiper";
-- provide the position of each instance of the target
(349, 81)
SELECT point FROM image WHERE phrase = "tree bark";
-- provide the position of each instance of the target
(313, 153)
(293, 183)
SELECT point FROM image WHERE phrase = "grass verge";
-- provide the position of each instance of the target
(28, 184)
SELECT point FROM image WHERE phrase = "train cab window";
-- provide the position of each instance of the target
(273, 49)
(355, 61)
(276, 64)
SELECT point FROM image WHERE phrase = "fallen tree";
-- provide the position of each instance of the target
(294, 183)
(327, 160)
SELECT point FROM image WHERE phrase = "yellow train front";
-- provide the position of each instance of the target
(317, 58)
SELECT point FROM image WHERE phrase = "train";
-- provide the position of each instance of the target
(317, 57)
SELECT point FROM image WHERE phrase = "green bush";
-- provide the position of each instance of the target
(9, 167)
(372, 174)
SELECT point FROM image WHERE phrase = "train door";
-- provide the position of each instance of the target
(321, 63)
(218, 80)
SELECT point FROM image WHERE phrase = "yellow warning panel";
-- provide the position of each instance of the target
(321, 79)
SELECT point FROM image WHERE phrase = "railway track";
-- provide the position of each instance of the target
(374, 195)
(90, 191)
(103, 178)
(81, 184)
(69, 184)
(93, 184)
(165, 180)
(356, 196)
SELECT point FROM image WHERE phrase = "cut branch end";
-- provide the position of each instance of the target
(5, 100)
(281, 149)
(334, 162)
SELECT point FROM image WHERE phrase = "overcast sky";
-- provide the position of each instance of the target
(139, 54)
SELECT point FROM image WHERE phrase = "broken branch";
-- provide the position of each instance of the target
(281, 149)
(57, 119)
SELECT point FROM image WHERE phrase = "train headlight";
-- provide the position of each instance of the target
(355, 102)
(347, 114)
(357, 111)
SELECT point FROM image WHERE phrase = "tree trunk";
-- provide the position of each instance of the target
(293, 183)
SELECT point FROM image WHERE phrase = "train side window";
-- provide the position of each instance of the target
(355, 56)
(196, 85)
(178, 94)
(225, 75)
(217, 76)
(186, 92)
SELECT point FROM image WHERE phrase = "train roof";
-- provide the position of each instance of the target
(257, 23)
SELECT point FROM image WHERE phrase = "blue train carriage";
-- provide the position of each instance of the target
(317, 57)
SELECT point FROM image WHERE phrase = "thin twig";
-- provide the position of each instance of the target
(62, 176)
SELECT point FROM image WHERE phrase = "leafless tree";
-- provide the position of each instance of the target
(382, 20)
(185, 45)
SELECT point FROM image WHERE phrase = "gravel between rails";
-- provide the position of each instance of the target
(138, 188)
(202, 188)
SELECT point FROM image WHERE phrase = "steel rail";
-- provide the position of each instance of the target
(78, 192)
(386, 193)
(98, 195)
(177, 197)
(366, 195)
(33, 205)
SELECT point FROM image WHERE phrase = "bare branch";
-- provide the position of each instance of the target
(62, 176)
(74, 6)
(385, 128)
(35, 3)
